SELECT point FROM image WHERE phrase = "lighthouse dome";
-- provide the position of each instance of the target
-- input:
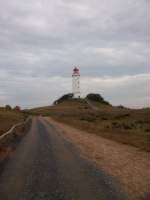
(76, 71)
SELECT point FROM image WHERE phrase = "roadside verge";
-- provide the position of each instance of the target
(129, 165)
(11, 137)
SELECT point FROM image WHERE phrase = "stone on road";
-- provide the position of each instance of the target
(45, 166)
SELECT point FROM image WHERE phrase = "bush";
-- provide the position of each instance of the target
(147, 130)
(104, 118)
(86, 107)
(122, 116)
(116, 125)
(8, 107)
(17, 108)
(97, 98)
(64, 98)
(120, 106)
(126, 126)
(88, 119)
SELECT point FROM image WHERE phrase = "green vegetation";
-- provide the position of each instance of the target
(97, 98)
(64, 98)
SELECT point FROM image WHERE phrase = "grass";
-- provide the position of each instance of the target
(8, 119)
(127, 126)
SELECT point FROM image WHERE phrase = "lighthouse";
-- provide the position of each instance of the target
(76, 83)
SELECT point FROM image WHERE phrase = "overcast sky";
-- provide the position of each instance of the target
(42, 40)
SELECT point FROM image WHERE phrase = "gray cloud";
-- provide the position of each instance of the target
(42, 40)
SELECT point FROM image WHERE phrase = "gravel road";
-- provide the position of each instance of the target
(46, 167)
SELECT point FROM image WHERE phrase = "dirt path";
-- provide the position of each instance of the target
(45, 166)
(128, 165)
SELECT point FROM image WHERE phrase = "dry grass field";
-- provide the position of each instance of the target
(129, 165)
(8, 119)
(127, 126)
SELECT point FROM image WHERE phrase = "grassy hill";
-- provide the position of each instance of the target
(8, 119)
(128, 126)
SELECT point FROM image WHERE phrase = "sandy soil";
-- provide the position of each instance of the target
(128, 164)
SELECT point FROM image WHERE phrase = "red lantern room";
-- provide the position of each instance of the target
(76, 71)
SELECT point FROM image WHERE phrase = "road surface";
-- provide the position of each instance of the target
(46, 167)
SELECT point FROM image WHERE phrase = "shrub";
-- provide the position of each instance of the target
(8, 107)
(116, 125)
(147, 130)
(86, 107)
(104, 118)
(97, 98)
(63, 98)
(123, 116)
(17, 108)
(122, 107)
(126, 126)
(88, 119)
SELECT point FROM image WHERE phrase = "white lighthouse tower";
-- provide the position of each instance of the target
(76, 83)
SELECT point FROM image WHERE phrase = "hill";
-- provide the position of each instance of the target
(128, 126)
